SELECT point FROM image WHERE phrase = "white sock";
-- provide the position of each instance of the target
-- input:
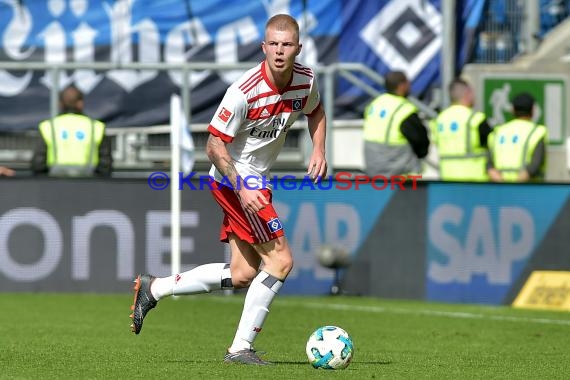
(202, 279)
(255, 308)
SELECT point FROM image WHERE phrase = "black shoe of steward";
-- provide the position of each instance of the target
(247, 356)
(143, 301)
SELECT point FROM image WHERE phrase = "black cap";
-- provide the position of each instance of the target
(523, 103)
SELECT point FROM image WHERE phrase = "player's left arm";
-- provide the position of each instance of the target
(317, 123)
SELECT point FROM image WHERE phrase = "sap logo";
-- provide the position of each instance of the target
(336, 224)
(480, 245)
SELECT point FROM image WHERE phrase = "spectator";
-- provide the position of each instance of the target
(460, 134)
(395, 138)
(72, 144)
(517, 149)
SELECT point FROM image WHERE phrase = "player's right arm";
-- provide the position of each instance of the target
(252, 199)
(223, 127)
(220, 157)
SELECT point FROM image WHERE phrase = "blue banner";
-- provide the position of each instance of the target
(405, 35)
(394, 35)
(129, 31)
(479, 244)
(471, 13)
(32, 23)
(383, 34)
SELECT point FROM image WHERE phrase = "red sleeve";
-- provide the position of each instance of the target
(225, 138)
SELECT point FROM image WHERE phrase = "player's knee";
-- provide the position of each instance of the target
(242, 278)
(283, 265)
(287, 265)
(241, 283)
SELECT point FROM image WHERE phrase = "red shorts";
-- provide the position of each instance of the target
(259, 228)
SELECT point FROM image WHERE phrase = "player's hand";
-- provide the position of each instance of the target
(252, 200)
(4, 171)
(317, 166)
(524, 176)
(495, 175)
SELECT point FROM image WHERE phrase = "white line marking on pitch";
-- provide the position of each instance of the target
(449, 314)
(397, 310)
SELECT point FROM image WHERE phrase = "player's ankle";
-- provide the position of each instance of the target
(239, 346)
(154, 291)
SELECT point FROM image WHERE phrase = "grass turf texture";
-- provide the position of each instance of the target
(81, 336)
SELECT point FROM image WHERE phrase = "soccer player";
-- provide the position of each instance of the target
(246, 135)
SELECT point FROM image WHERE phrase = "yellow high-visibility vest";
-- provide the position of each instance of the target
(383, 118)
(72, 142)
(461, 157)
(512, 146)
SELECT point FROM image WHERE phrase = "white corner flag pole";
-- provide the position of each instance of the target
(175, 120)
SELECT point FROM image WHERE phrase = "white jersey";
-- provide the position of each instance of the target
(254, 117)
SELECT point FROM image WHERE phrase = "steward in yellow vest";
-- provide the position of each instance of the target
(517, 149)
(460, 134)
(72, 144)
(395, 138)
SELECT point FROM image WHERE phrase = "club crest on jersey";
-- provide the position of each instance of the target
(296, 105)
(225, 115)
(274, 225)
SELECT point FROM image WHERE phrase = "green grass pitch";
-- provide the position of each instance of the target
(87, 336)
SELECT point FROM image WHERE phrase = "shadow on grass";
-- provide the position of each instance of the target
(276, 362)
(304, 363)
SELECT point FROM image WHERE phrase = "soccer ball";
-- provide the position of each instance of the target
(330, 347)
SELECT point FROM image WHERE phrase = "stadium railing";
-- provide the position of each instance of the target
(509, 28)
(139, 150)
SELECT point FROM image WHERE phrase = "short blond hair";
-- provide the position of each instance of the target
(283, 22)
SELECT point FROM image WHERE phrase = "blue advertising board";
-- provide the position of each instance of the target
(480, 237)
